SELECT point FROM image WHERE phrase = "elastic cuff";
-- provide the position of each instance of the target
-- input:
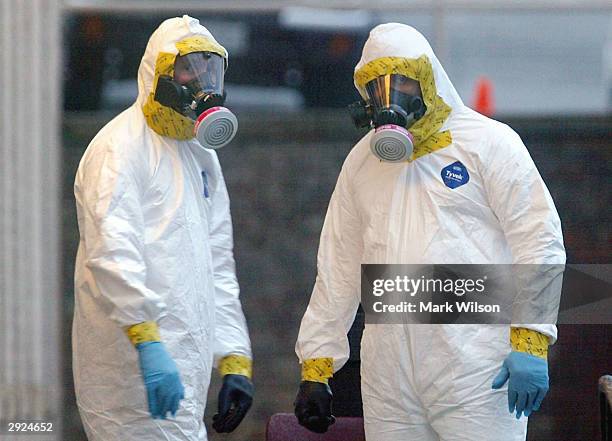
(237, 365)
(319, 370)
(143, 332)
(529, 341)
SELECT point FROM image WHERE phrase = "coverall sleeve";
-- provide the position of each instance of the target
(231, 333)
(336, 294)
(108, 191)
(526, 212)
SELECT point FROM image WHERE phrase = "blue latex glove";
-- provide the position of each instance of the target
(161, 379)
(528, 382)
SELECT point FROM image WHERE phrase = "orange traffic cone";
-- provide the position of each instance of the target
(483, 97)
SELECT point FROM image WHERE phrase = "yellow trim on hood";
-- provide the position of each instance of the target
(163, 120)
(199, 43)
(427, 137)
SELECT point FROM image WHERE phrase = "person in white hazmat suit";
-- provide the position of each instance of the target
(156, 295)
(394, 203)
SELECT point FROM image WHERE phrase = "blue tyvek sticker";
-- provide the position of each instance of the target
(455, 175)
(205, 182)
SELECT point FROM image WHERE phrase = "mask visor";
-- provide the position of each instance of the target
(201, 72)
(391, 90)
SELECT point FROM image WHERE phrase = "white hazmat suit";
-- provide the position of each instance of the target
(430, 382)
(155, 245)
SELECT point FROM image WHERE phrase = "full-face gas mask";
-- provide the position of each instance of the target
(392, 104)
(196, 92)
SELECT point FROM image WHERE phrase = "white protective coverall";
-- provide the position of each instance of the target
(429, 382)
(155, 245)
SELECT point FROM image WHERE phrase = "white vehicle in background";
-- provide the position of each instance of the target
(607, 66)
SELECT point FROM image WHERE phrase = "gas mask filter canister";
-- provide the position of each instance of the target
(390, 111)
(392, 143)
(196, 92)
(216, 127)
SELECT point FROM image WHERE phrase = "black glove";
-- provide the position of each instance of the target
(313, 406)
(235, 399)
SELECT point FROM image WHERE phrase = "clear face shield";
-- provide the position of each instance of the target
(394, 99)
(202, 74)
(392, 104)
(196, 91)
